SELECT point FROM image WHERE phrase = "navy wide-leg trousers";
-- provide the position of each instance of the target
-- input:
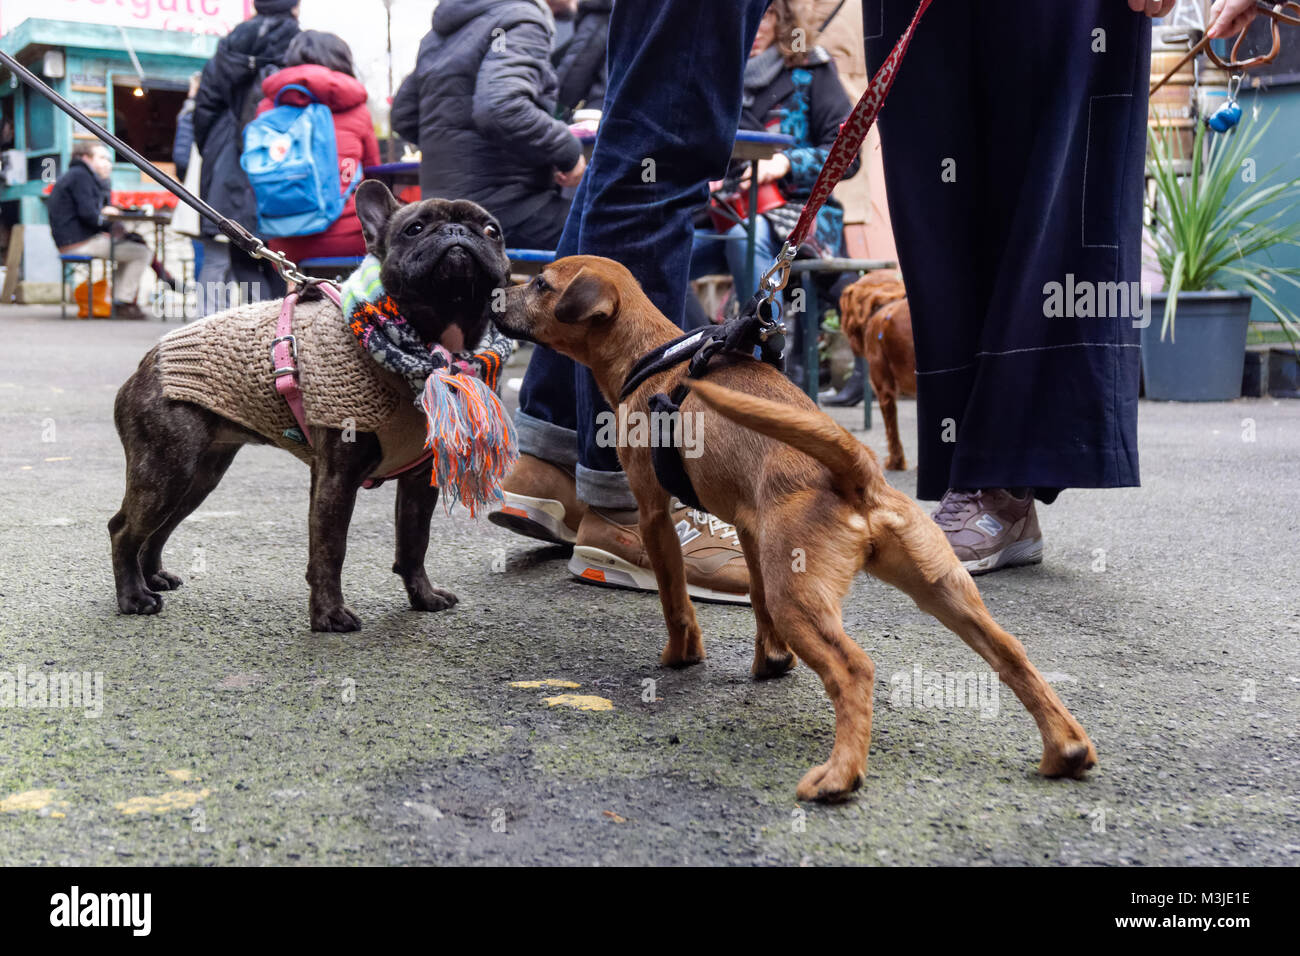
(1013, 144)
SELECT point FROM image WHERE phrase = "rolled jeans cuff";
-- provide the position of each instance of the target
(547, 441)
(605, 489)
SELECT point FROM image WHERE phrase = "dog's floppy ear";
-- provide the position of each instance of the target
(375, 206)
(587, 296)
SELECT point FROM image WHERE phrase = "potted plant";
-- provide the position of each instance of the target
(1211, 241)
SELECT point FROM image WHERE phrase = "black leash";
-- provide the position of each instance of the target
(232, 230)
(827, 22)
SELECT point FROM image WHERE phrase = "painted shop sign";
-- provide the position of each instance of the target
(191, 16)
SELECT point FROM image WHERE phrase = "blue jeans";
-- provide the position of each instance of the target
(667, 130)
(711, 255)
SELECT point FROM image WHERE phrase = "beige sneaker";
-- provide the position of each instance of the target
(612, 554)
(991, 529)
(540, 500)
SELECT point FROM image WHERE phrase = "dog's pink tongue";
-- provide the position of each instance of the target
(453, 340)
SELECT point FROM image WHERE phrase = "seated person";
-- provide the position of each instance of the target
(77, 207)
(798, 94)
(580, 60)
(322, 62)
(481, 106)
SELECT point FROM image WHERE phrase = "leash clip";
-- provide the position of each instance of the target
(769, 284)
(282, 264)
(778, 273)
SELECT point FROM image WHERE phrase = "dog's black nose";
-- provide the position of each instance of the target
(455, 229)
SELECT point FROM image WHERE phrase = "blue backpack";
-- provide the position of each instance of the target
(292, 162)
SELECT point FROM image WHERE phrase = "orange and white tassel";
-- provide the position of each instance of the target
(473, 441)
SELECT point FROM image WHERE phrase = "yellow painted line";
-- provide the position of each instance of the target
(548, 682)
(25, 468)
(63, 458)
(172, 800)
(27, 800)
(580, 702)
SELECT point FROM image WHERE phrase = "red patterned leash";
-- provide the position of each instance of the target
(841, 156)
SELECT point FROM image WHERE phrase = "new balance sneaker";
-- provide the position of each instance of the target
(991, 528)
(610, 553)
(540, 500)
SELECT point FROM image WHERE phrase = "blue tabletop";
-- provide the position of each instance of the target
(393, 169)
(742, 136)
(759, 136)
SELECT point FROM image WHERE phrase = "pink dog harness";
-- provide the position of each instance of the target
(284, 365)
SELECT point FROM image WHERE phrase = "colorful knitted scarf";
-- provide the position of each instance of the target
(471, 436)
(380, 329)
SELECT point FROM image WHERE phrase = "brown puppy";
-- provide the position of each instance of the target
(441, 262)
(878, 324)
(795, 485)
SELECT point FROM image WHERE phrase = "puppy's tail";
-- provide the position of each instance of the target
(855, 470)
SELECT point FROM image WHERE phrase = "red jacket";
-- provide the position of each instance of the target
(354, 134)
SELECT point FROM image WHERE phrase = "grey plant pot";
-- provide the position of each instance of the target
(1204, 361)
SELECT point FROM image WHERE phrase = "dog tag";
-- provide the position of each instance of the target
(1228, 115)
(1225, 117)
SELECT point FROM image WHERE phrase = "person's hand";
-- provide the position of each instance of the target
(1230, 17)
(1152, 8)
(769, 170)
(109, 211)
(574, 175)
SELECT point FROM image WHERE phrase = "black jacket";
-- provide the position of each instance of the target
(580, 63)
(229, 91)
(481, 105)
(75, 204)
(183, 141)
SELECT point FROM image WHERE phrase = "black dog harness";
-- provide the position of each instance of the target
(756, 332)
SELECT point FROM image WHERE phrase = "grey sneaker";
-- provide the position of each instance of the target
(990, 528)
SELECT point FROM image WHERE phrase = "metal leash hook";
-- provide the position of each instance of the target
(769, 284)
(287, 268)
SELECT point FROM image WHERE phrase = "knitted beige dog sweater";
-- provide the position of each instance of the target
(223, 363)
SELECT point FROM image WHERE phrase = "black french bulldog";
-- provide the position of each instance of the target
(442, 260)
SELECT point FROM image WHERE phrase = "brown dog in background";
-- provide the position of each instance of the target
(810, 506)
(878, 324)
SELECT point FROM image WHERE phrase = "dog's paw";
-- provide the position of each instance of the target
(162, 580)
(429, 598)
(1072, 760)
(339, 619)
(139, 602)
(675, 660)
(829, 783)
(767, 666)
(683, 653)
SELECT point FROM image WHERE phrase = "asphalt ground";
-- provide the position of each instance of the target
(229, 733)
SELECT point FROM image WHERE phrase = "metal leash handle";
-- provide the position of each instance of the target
(236, 233)
(1288, 13)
